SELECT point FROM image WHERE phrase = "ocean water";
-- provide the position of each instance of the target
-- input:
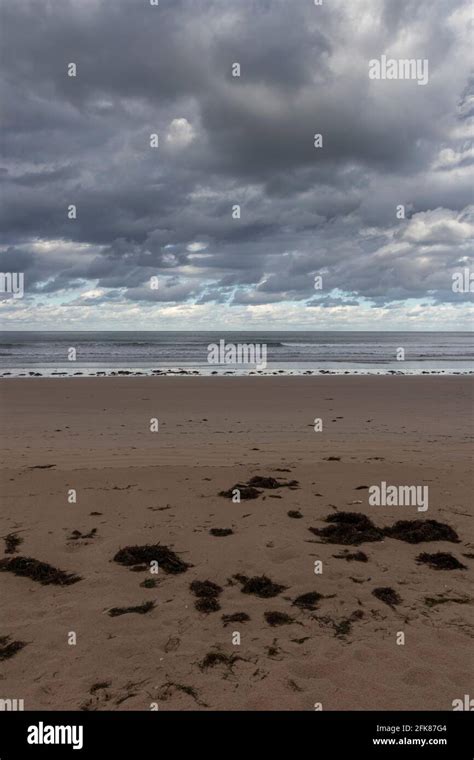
(23, 353)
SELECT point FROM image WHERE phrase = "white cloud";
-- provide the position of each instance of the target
(196, 247)
(180, 133)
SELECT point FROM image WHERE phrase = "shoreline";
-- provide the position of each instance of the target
(180, 372)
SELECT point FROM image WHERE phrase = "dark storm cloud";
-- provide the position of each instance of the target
(224, 141)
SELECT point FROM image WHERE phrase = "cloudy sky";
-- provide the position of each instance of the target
(145, 212)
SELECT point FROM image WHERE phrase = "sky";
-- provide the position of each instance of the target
(157, 242)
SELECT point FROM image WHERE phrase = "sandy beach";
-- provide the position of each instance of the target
(307, 638)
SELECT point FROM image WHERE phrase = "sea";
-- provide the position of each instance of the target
(75, 354)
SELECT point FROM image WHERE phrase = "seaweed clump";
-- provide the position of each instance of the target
(351, 528)
(9, 648)
(235, 617)
(245, 492)
(140, 609)
(260, 586)
(352, 556)
(12, 542)
(440, 561)
(278, 618)
(218, 658)
(387, 595)
(41, 572)
(417, 531)
(308, 601)
(207, 593)
(168, 560)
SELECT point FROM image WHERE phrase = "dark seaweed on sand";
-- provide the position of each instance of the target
(148, 583)
(12, 542)
(76, 535)
(433, 601)
(348, 528)
(341, 627)
(246, 492)
(166, 557)
(262, 482)
(140, 609)
(166, 691)
(218, 658)
(387, 595)
(207, 604)
(278, 618)
(236, 617)
(295, 513)
(344, 627)
(352, 556)
(208, 593)
(40, 572)
(440, 561)
(308, 601)
(9, 648)
(416, 531)
(221, 532)
(250, 490)
(205, 589)
(260, 586)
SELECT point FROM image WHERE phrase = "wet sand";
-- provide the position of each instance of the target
(176, 648)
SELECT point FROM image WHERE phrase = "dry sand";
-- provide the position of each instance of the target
(138, 487)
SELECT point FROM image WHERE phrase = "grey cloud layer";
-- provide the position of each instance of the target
(248, 141)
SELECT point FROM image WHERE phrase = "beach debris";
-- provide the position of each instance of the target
(417, 531)
(352, 556)
(12, 542)
(76, 535)
(348, 528)
(308, 601)
(441, 561)
(9, 648)
(205, 588)
(332, 459)
(245, 492)
(207, 593)
(235, 617)
(218, 658)
(250, 490)
(207, 605)
(41, 572)
(221, 532)
(387, 595)
(167, 690)
(342, 627)
(140, 609)
(148, 583)
(259, 481)
(259, 586)
(167, 559)
(278, 618)
(295, 513)
(433, 601)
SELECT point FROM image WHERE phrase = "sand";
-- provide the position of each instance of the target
(137, 487)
